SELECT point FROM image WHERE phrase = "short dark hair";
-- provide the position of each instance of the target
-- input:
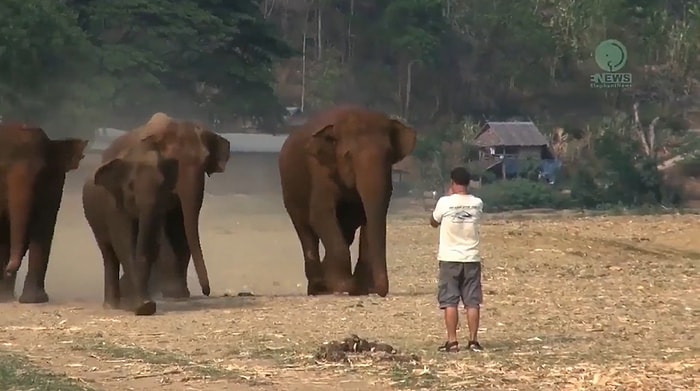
(460, 176)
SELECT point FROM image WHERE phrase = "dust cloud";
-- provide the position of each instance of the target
(248, 241)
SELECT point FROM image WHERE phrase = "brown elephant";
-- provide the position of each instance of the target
(125, 203)
(198, 151)
(32, 173)
(336, 177)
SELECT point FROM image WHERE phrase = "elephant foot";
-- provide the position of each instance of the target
(359, 291)
(146, 308)
(317, 288)
(34, 296)
(361, 288)
(342, 286)
(112, 304)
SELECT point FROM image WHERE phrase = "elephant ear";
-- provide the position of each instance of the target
(219, 150)
(403, 139)
(112, 176)
(67, 153)
(322, 145)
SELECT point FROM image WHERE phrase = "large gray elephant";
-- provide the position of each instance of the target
(336, 177)
(125, 203)
(32, 176)
(198, 151)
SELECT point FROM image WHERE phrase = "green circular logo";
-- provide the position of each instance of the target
(611, 55)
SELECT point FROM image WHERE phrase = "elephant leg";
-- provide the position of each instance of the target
(125, 289)
(175, 257)
(312, 260)
(21, 181)
(336, 262)
(7, 283)
(34, 291)
(350, 217)
(364, 281)
(336, 231)
(7, 288)
(42, 228)
(112, 295)
(132, 287)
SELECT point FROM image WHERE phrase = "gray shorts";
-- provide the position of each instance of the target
(460, 280)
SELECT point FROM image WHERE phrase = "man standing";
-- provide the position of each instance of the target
(458, 215)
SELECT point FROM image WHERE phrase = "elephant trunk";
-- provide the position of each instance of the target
(20, 180)
(375, 192)
(191, 192)
(145, 249)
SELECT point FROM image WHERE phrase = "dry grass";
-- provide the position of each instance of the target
(571, 304)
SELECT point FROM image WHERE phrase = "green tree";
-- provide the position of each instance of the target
(196, 58)
(415, 30)
(46, 65)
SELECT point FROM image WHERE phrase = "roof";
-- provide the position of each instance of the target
(240, 142)
(511, 134)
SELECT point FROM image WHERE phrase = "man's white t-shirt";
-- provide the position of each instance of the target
(459, 216)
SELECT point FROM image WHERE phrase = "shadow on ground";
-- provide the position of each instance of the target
(202, 303)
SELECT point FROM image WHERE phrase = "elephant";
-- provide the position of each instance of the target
(199, 151)
(32, 175)
(125, 204)
(335, 172)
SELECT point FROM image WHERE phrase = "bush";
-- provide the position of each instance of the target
(520, 194)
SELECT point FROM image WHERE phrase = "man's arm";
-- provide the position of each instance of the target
(438, 212)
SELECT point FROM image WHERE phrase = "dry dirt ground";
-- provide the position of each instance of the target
(571, 304)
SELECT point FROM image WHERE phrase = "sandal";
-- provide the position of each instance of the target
(474, 346)
(449, 347)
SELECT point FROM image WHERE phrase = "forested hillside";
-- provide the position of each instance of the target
(442, 65)
(436, 61)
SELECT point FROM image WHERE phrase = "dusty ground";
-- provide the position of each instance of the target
(571, 304)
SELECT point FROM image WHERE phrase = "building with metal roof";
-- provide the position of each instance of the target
(510, 134)
(506, 148)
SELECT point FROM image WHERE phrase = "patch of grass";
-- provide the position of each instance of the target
(17, 373)
(137, 353)
(134, 353)
(409, 377)
(160, 357)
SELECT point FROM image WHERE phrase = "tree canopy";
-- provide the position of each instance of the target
(72, 65)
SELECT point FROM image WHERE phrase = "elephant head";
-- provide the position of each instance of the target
(359, 147)
(199, 151)
(140, 180)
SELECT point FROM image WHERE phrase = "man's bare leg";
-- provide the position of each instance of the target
(451, 320)
(473, 314)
